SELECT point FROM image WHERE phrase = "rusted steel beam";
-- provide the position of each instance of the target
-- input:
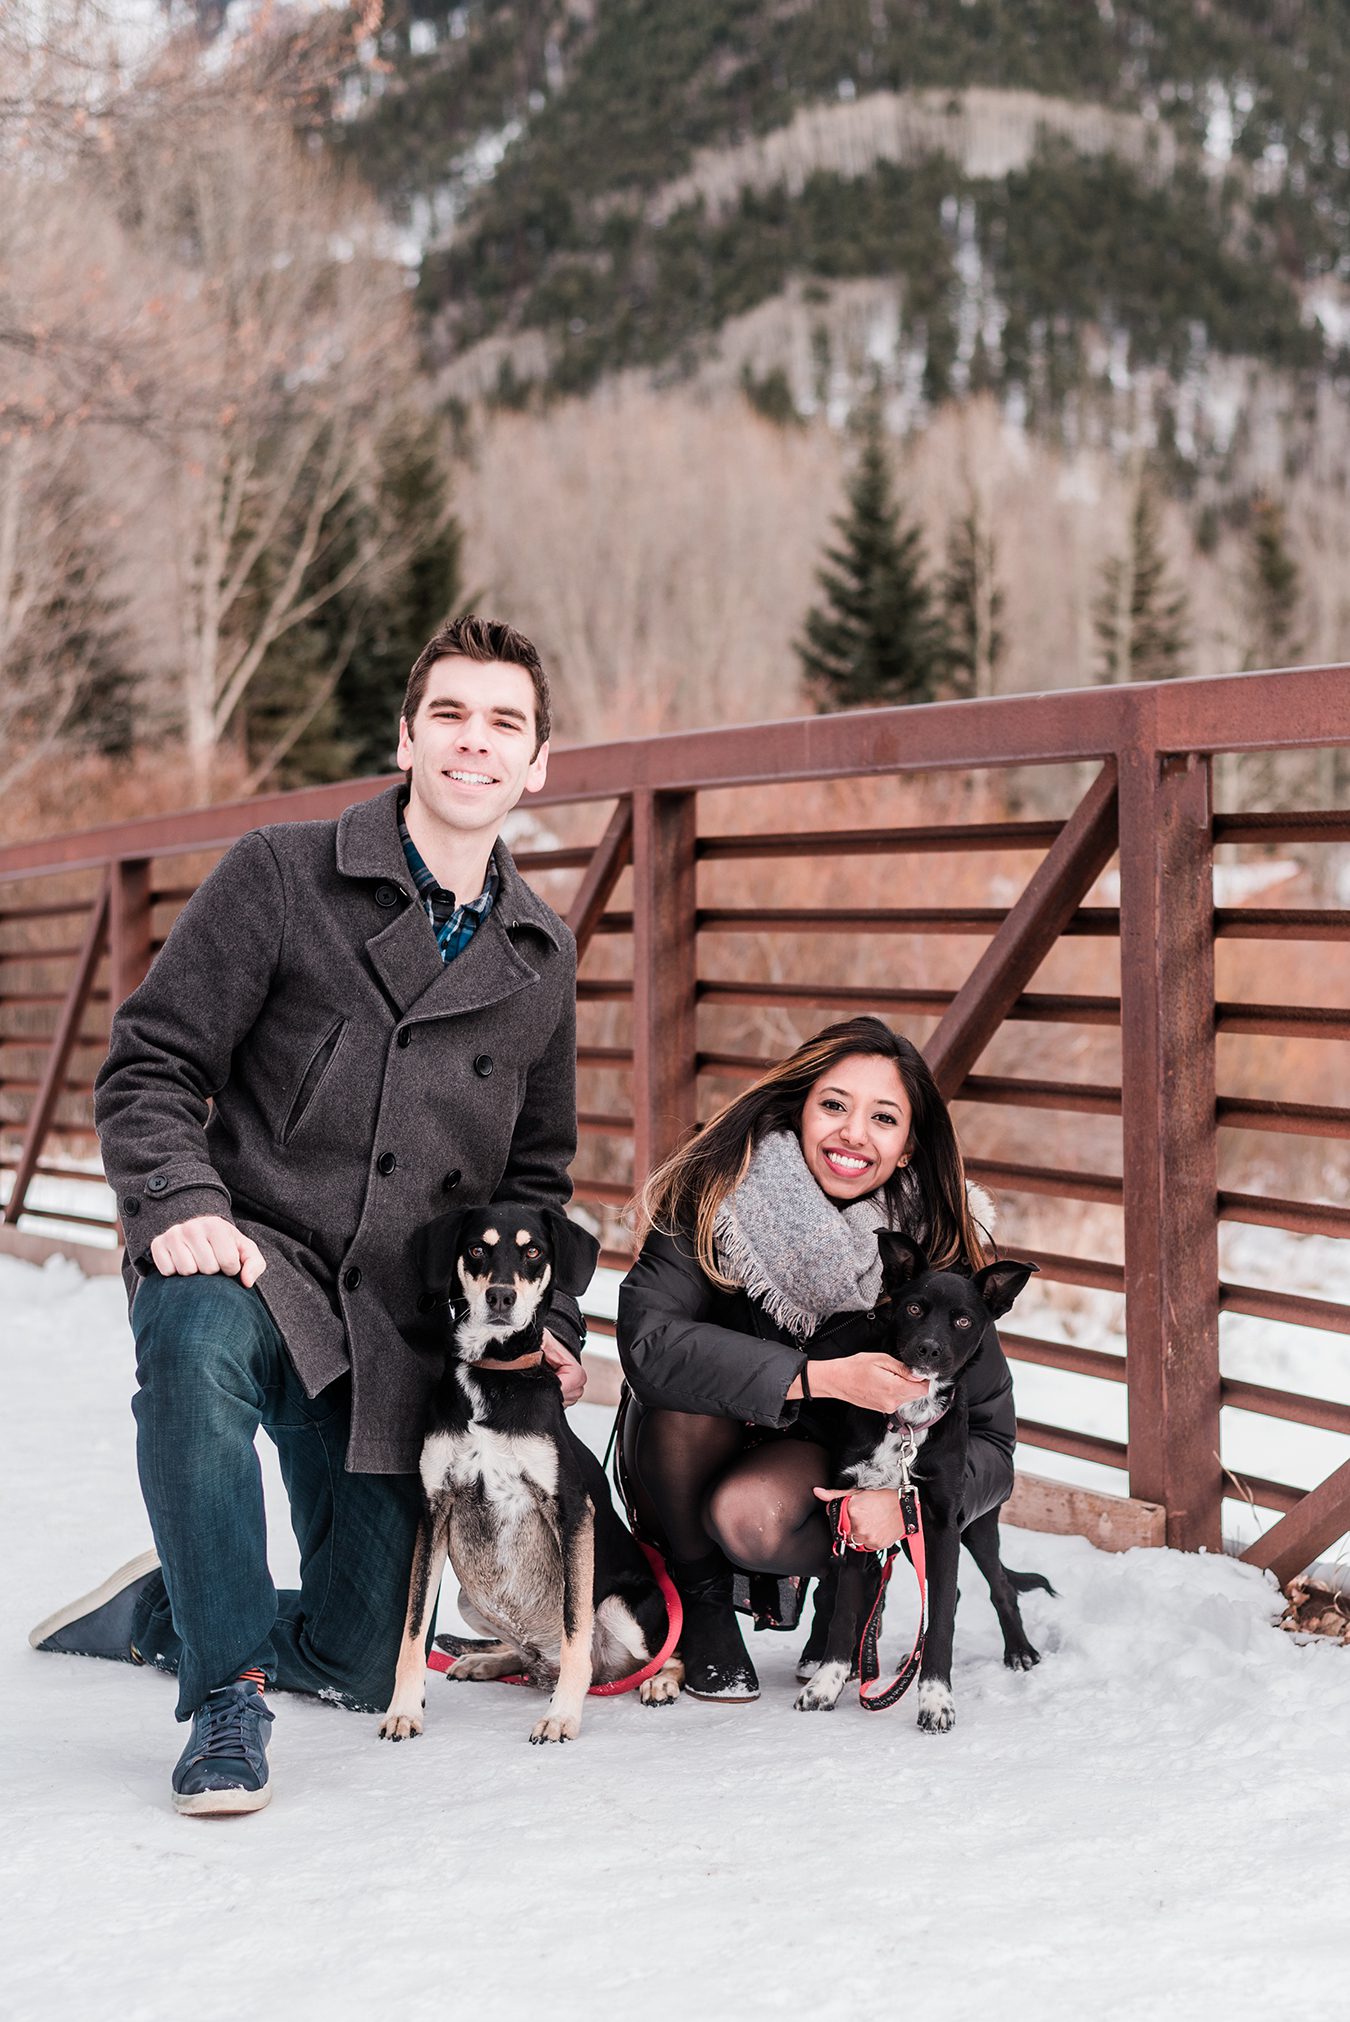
(1003, 836)
(1288, 923)
(1052, 896)
(1273, 710)
(1064, 1355)
(1091, 920)
(1034, 1008)
(610, 1126)
(612, 856)
(1299, 1309)
(1082, 1097)
(553, 860)
(1305, 1532)
(68, 1215)
(1057, 1181)
(604, 989)
(614, 923)
(1061, 1270)
(1299, 1119)
(607, 1193)
(1281, 1021)
(619, 1057)
(64, 912)
(1256, 1488)
(1287, 1404)
(1306, 1218)
(130, 943)
(1169, 1140)
(63, 1039)
(1082, 1445)
(665, 973)
(1309, 825)
(31, 956)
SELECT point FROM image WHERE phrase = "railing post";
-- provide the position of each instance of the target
(129, 928)
(665, 974)
(52, 1083)
(1170, 1160)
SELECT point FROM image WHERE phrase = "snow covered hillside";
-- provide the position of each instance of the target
(1128, 1831)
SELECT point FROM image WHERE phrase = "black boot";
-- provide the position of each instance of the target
(716, 1662)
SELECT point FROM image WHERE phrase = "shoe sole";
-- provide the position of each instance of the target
(722, 1698)
(134, 1569)
(221, 1803)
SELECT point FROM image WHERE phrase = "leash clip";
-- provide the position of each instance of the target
(909, 1447)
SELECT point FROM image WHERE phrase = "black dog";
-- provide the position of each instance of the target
(933, 1322)
(519, 1504)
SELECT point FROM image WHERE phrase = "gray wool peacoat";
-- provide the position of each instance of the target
(300, 1060)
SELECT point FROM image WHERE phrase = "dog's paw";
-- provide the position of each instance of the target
(477, 1666)
(821, 1692)
(1021, 1657)
(937, 1714)
(556, 1727)
(400, 1726)
(663, 1689)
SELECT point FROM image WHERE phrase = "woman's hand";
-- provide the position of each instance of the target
(875, 1381)
(875, 1513)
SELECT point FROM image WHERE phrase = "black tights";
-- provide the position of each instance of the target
(701, 1489)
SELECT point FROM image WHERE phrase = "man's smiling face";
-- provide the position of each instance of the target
(471, 749)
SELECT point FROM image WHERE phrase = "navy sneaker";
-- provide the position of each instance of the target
(223, 1769)
(100, 1624)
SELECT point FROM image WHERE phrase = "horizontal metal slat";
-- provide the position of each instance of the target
(1035, 1008)
(1043, 1179)
(1099, 920)
(1000, 835)
(1282, 1021)
(1299, 1309)
(1064, 1355)
(1081, 1445)
(1093, 1272)
(1316, 825)
(1083, 1098)
(1306, 1218)
(1287, 1404)
(1297, 1119)
(1267, 923)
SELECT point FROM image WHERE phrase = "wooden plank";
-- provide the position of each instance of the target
(665, 975)
(94, 1259)
(1169, 1141)
(1114, 1523)
(1305, 1532)
(613, 854)
(1052, 896)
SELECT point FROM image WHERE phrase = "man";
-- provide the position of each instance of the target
(353, 1026)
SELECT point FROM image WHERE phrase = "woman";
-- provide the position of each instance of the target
(752, 1293)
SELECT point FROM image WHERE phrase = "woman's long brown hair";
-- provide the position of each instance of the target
(684, 1194)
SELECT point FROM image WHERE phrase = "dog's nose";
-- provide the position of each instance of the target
(500, 1300)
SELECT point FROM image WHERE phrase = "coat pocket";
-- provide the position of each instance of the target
(319, 1063)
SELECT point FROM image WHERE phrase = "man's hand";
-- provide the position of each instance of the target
(875, 1513)
(207, 1244)
(569, 1372)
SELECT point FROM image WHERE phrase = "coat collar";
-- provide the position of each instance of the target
(403, 949)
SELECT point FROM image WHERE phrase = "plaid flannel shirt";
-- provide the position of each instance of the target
(453, 925)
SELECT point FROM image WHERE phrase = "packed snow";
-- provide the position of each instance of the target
(1152, 1823)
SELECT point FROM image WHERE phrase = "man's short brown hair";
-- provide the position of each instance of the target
(480, 639)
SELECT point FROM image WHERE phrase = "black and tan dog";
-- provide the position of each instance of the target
(519, 1504)
(934, 1323)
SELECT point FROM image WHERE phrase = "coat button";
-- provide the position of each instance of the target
(385, 1163)
(483, 1065)
(451, 1181)
(387, 895)
(405, 1035)
(428, 1303)
(352, 1279)
(130, 1206)
(157, 1182)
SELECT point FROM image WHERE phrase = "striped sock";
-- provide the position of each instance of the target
(254, 1677)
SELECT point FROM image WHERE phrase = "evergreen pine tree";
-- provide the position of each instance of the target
(875, 638)
(1141, 616)
(1273, 591)
(972, 604)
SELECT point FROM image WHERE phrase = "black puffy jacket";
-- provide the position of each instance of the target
(687, 1345)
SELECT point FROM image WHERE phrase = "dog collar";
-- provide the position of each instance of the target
(508, 1368)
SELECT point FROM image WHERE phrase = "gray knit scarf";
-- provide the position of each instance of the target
(796, 1253)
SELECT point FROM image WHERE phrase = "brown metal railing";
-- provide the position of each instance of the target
(82, 915)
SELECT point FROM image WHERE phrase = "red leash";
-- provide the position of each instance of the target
(441, 1660)
(869, 1663)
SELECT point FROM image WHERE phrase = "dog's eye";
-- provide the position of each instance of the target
(961, 1320)
(475, 1251)
(914, 1309)
(533, 1252)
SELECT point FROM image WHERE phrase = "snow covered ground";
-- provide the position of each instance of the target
(1153, 1824)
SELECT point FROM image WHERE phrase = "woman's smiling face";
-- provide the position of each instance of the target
(855, 1126)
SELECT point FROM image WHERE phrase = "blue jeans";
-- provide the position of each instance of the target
(212, 1368)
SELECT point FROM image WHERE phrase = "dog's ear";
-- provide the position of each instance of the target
(435, 1247)
(575, 1251)
(901, 1258)
(999, 1284)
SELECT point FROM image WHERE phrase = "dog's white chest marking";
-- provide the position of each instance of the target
(509, 1465)
(885, 1465)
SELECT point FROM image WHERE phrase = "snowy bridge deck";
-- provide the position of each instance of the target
(1154, 1823)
